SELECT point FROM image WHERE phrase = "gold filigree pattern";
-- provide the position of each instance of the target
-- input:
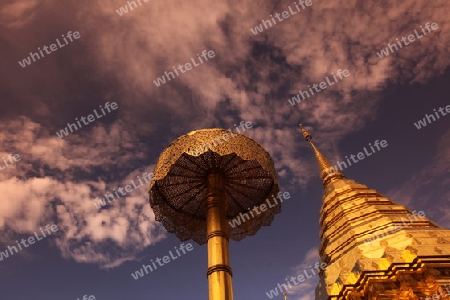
(178, 190)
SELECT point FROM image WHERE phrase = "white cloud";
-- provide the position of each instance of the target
(29, 201)
(303, 290)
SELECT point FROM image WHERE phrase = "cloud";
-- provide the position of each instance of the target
(250, 78)
(306, 289)
(18, 13)
(250, 74)
(42, 188)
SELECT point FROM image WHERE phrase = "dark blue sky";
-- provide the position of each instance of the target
(251, 78)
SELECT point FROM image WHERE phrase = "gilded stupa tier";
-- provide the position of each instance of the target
(375, 248)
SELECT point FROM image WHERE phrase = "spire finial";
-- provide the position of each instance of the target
(306, 134)
(328, 173)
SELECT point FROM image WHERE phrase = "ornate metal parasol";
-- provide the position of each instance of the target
(205, 180)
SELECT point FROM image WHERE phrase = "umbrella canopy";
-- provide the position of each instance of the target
(179, 187)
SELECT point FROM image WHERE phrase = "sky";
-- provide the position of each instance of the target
(100, 52)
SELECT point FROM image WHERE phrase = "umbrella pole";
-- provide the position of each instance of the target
(219, 271)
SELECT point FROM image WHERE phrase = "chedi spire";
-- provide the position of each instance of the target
(327, 172)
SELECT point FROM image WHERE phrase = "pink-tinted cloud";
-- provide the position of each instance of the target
(28, 202)
(248, 77)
